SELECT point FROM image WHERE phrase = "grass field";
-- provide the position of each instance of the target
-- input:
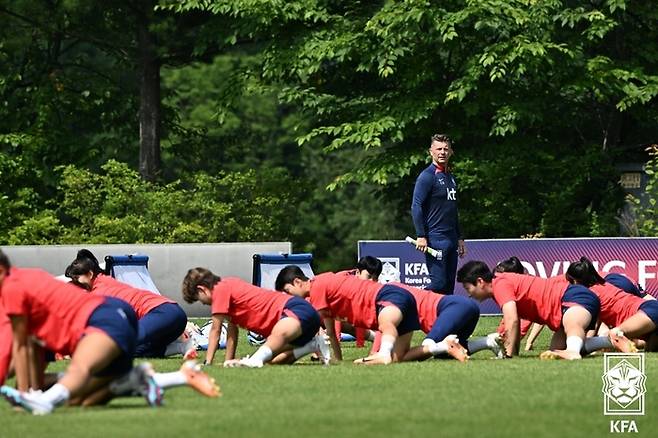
(523, 397)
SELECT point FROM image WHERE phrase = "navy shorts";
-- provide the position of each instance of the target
(625, 284)
(308, 317)
(456, 315)
(650, 307)
(117, 319)
(577, 294)
(161, 326)
(391, 295)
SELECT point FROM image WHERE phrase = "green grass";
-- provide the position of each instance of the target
(437, 398)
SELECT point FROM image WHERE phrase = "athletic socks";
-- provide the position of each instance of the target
(309, 347)
(478, 344)
(597, 343)
(574, 344)
(263, 354)
(386, 346)
(56, 395)
(168, 380)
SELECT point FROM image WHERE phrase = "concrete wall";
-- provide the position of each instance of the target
(167, 263)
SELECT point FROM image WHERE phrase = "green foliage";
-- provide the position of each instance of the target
(645, 207)
(117, 206)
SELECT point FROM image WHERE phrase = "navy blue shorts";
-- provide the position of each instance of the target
(161, 326)
(625, 284)
(577, 294)
(456, 315)
(390, 295)
(650, 307)
(118, 320)
(308, 317)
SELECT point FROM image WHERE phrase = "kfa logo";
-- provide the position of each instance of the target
(390, 269)
(624, 384)
(452, 194)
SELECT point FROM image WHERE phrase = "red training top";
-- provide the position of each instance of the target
(537, 299)
(249, 306)
(427, 303)
(616, 305)
(5, 344)
(346, 296)
(141, 300)
(56, 312)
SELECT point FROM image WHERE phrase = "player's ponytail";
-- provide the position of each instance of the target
(583, 272)
(512, 264)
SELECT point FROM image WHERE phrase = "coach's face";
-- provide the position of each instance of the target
(440, 153)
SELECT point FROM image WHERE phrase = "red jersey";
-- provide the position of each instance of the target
(616, 305)
(249, 306)
(56, 312)
(346, 296)
(537, 299)
(6, 340)
(141, 300)
(427, 303)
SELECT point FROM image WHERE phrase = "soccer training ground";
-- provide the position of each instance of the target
(522, 397)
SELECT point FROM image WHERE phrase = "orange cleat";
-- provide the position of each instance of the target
(199, 380)
(559, 354)
(456, 350)
(621, 342)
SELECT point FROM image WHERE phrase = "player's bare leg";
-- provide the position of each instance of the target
(389, 318)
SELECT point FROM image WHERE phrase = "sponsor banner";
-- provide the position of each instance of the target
(635, 257)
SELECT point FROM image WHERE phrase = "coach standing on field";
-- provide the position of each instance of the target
(434, 213)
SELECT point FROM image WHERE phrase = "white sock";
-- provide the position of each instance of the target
(386, 346)
(597, 343)
(168, 380)
(263, 354)
(309, 347)
(574, 344)
(477, 344)
(435, 348)
(56, 395)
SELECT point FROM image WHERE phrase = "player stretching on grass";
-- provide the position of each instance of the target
(289, 323)
(628, 314)
(160, 320)
(569, 310)
(388, 308)
(99, 333)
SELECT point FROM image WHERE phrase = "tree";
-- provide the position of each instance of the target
(569, 82)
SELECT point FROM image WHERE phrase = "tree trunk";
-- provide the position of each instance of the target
(149, 98)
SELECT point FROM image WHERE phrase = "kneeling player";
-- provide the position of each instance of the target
(289, 323)
(363, 303)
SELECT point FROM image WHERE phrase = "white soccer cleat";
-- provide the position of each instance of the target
(28, 401)
(245, 362)
(496, 345)
(323, 348)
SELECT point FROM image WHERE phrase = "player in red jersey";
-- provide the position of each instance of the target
(388, 308)
(5, 345)
(449, 322)
(289, 323)
(513, 264)
(627, 314)
(569, 310)
(97, 332)
(161, 320)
